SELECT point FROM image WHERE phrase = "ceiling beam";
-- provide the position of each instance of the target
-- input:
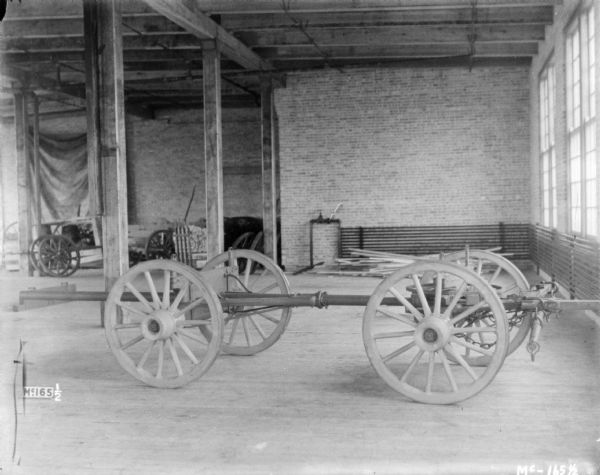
(396, 52)
(188, 15)
(392, 35)
(319, 6)
(154, 23)
(406, 34)
(515, 15)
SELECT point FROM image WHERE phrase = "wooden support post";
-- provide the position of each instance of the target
(92, 95)
(23, 182)
(37, 195)
(268, 168)
(213, 147)
(111, 113)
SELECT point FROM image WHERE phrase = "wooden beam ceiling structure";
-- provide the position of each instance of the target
(42, 43)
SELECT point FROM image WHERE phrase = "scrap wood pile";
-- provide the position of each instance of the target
(372, 263)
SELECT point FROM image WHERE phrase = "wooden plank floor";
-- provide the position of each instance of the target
(311, 404)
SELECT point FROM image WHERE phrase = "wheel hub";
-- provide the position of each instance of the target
(432, 333)
(160, 325)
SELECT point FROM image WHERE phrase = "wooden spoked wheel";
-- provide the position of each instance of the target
(244, 241)
(251, 329)
(160, 245)
(152, 319)
(34, 254)
(507, 280)
(58, 256)
(414, 332)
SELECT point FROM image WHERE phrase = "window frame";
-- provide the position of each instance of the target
(547, 145)
(581, 144)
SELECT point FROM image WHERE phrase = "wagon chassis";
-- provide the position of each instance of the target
(436, 331)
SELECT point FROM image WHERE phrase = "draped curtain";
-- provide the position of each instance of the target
(63, 176)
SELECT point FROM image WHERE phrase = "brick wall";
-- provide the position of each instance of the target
(167, 160)
(403, 146)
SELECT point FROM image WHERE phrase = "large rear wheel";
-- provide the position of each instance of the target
(414, 332)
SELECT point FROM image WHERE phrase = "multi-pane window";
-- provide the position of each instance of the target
(581, 125)
(547, 157)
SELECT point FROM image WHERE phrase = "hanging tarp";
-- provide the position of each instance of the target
(63, 176)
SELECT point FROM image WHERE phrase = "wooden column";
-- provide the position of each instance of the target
(111, 116)
(23, 185)
(92, 95)
(37, 195)
(269, 168)
(213, 147)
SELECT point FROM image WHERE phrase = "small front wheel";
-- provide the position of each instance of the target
(154, 321)
(251, 329)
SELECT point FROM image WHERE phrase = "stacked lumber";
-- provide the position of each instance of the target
(368, 263)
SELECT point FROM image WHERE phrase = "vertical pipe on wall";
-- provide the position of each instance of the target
(213, 147)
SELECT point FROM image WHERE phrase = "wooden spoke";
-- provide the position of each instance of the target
(132, 342)
(161, 358)
(406, 303)
(479, 266)
(381, 336)
(192, 323)
(258, 328)
(455, 355)
(139, 296)
(247, 272)
(191, 336)
(245, 327)
(130, 308)
(448, 371)
(421, 294)
(189, 307)
(261, 312)
(233, 329)
(123, 326)
(153, 292)
(178, 298)
(174, 356)
(437, 306)
(185, 348)
(166, 289)
(404, 318)
(412, 365)
(495, 275)
(455, 300)
(430, 368)
(266, 289)
(456, 330)
(145, 356)
(399, 351)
